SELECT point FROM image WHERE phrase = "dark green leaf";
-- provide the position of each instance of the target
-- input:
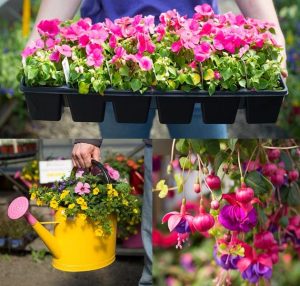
(135, 84)
(288, 163)
(219, 159)
(290, 195)
(258, 183)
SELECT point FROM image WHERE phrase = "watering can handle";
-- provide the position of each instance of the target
(103, 169)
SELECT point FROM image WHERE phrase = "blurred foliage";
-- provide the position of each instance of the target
(289, 14)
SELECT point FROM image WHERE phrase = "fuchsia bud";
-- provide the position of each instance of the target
(264, 240)
(277, 179)
(213, 181)
(269, 169)
(215, 205)
(293, 175)
(244, 194)
(203, 221)
(273, 154)
(197, 188)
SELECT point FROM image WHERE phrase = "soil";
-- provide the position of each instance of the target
(22, 270)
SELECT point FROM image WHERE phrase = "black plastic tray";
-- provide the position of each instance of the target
(174, 107)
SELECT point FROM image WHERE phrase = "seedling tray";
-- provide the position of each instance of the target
(174, 107)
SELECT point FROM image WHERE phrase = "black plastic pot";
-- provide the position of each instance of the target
(86, 108)
(44, 106)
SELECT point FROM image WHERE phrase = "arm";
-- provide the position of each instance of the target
(264, 10)
(50, 9)
(84, 151)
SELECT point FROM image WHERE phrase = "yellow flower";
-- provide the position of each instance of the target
(84, 207)
(39, 202)
(54, 204)
(80, 201)
(125, 202)
(28, 177)
(81, 217)
(96, 191)
(64, 194)
(99, 231)
(135, 211)
(109, 187)
(33, 196)
(71, 206)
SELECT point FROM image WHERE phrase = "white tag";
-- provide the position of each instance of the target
(24, 62)
(54, 170)
(66, 68)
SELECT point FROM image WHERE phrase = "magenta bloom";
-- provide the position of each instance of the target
(28, 51)
(234, 217)
(82, 188)
(145, 63)
(65, 50)
(178, 222)
(55, 56)
(95, 58)
(204, 10)
(49, 28)
(114, 174)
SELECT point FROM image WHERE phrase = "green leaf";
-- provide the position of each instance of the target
(136, 84)
(290, 195)
(32, 72)
(242, 83)
(219, 159)
(196, 78)
(226, 74)
(124, 71)
(197, 146)
(185, 163)
(208, 75)
(288, 162)
(179, 182)
(258, 183)
(211, 89)
(83, 87)
(232, 143)
(182, 146)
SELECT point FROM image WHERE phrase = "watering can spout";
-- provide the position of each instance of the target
(18, 208)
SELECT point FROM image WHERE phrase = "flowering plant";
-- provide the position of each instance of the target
(249, 200)
(89, 196)
(206, 51)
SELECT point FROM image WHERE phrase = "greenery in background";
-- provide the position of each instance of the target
(289, 14)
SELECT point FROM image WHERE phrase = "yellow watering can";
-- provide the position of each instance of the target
(74, 245)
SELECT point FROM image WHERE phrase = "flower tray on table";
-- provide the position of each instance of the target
(174, 107)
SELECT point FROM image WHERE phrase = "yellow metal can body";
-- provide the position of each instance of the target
(81, 249)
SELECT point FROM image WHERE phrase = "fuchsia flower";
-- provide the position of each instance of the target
(64, 50)
(82, 188)
(114, 174)
(49, 28)
(238, 216)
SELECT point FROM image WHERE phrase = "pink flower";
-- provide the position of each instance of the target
(50, 43)
(144, 44)
(49, 28)
(202, 52)
(79, 173)
(82, 188)
(55, 56)
(39, 43)
(28, 51)
(145, 63)
(243, 50)
(120, 52)
(114, 174)
(217, 75)
(113, 28)
(83, 40)
(113, 41)
(65, 50)
(176, 46)
(85, 23)
(204, 10)
(91, 47)
(98, 33)
(95, 58)
(161, 31)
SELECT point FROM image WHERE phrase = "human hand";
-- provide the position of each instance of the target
(83, 153)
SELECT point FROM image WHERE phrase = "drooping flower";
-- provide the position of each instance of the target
(82, 188)
(226, 261)
(49, 28)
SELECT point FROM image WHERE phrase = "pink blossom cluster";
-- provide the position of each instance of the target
(136, 38)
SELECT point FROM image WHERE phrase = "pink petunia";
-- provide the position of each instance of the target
(50, 43)
(95, 59)
(65, 50)
(39, 43)
(49, 28)
(176, 46)
(91, 47)
(82, 188)
(145, 63)
(120, 52)
(144, 44)
(204, 10)
(114, 174)
(83, 40)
